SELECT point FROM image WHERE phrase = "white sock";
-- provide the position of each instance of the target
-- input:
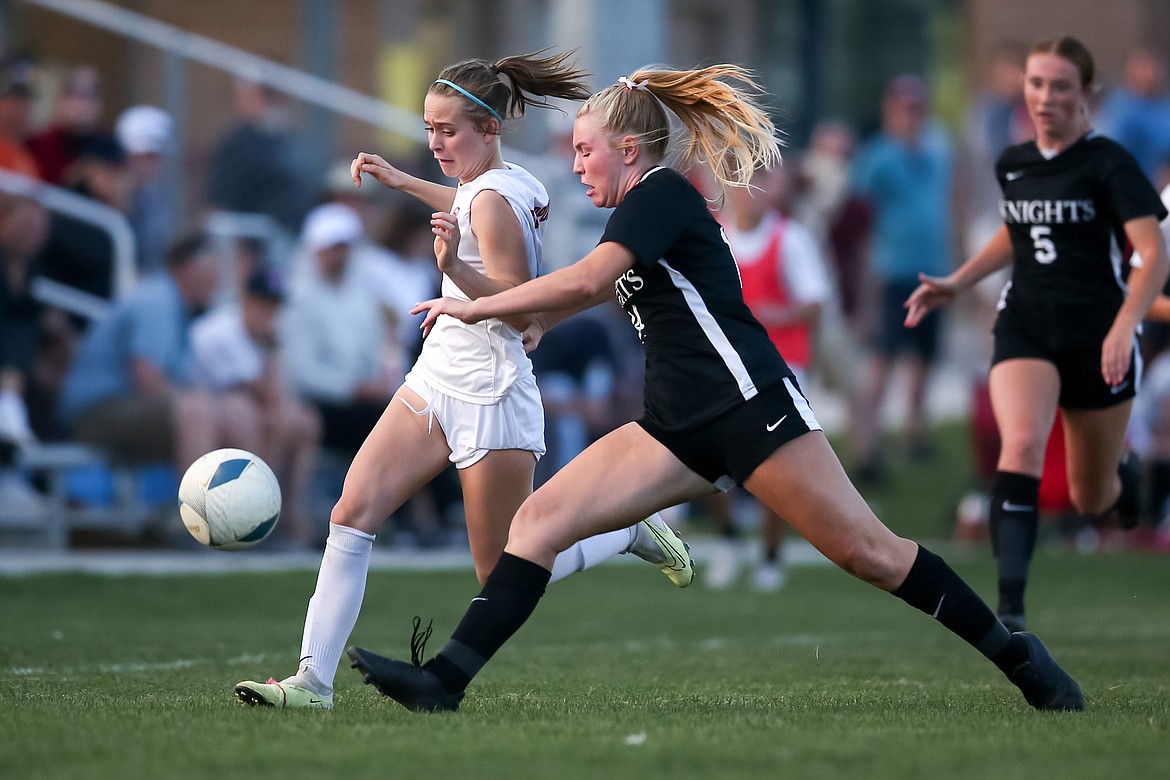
(334, 607)
(592, 551)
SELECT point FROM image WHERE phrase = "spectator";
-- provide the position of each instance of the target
(785, 285)
(905, 173)
(577, 369)
(16, 93)
(1149, 427)
(256, 166)
(335, 333)
(401, 269)
(1137, 113)
(145, 134)
(840, 222)
(235, 351)
(997, 118)
(129, 390)
(23, 227)
(79, 253)
(36, 341)
(75, 127)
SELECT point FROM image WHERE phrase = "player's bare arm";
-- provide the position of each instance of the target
(569, 288)
(437, 196)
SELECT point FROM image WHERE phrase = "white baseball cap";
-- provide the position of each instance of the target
(144, 130)
(329, 225)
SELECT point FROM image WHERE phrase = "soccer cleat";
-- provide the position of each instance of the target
(1044, 684)
(282, 696)
(658, 543)
(408, 684)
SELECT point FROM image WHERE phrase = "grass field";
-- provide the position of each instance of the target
(617, 675)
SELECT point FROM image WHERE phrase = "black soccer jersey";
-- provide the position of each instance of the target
(1066, 218)
(705, 352)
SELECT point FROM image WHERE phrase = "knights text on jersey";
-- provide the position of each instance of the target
(705, 352)
(1066, 218)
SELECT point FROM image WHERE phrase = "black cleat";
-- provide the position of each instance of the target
(411, 686)
(1044, 684)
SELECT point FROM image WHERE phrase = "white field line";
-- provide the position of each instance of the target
(134, 667)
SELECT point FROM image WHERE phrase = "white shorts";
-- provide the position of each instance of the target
(516, 422)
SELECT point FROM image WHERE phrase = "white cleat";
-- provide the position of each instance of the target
(658, 543)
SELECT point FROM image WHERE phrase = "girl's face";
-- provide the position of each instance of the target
(1056, 101)
(463, 151)
(600, 164)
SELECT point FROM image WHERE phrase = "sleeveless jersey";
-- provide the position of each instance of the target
(705, 352)
(1066, 218)
(479, 363)
(762, 276)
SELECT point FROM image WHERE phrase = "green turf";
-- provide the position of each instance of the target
(617, 675)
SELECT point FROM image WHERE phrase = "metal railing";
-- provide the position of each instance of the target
(124, 270)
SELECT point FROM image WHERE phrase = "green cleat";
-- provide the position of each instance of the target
(658, 543)
(280, 696)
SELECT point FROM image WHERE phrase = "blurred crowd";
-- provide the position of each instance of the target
(286, 332)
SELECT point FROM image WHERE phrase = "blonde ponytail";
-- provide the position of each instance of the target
(726, 129)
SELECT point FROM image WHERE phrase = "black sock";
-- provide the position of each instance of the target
(1159, 490)
(1013, 524)
(508, 597)
(933, 587)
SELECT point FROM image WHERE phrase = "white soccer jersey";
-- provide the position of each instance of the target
(479, 363)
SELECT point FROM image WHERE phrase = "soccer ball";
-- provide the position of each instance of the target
(229, 499)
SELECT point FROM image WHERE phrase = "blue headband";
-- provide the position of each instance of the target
(471, 97)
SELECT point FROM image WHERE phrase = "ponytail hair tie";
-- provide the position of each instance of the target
(633, 85)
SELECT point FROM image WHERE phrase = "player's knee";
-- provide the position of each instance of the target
(869, 561)
(526, 521)
(535, 527)
(1093, 500)
(1022, 454)
(354, 511)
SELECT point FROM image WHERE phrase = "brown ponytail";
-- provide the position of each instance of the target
(509, 85)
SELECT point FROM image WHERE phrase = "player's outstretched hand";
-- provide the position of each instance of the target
(453, 307)
(376, 166)
(931, 293)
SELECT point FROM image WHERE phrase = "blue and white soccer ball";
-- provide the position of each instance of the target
(229, 499)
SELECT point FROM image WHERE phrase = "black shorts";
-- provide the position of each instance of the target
(892, 338)
(726, 450)
(1081, 383)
